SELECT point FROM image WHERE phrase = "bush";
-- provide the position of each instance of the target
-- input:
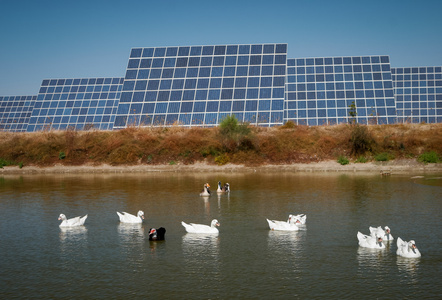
(61, 155)
(361, 159)
(429, 157)
(382, 157)
(361, 140)
(4, 163)
(343, 160)
(288, 125)
(234, 134)
(222, 159)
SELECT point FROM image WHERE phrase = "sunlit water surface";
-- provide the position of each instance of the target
(106, 259)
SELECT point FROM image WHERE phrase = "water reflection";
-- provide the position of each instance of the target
(131, 233)
(409, 266)
(372, 258)
(286, 240)
(200, 242)
(206, 205)
(73, 243)
(201, 253)
(132, 242)
(73, 234)
(221, 196)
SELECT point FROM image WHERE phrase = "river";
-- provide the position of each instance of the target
(108, 260)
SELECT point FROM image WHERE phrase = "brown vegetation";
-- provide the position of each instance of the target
(252, 146)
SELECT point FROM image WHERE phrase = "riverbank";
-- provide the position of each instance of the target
(399, 166)
(372, 148)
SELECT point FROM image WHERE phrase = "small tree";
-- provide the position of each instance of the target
(352, 113)
(233, 133)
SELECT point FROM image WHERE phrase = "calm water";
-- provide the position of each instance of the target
(246, 260)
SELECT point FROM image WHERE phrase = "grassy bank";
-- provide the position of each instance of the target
(230, 143)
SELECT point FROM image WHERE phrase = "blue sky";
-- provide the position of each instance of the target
(79, 39)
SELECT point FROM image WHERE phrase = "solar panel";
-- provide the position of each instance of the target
(15, 112)
(79, 104)
(418, 93)
(321, 90)
(200, 85)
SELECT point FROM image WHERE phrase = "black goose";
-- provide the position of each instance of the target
(157, 234)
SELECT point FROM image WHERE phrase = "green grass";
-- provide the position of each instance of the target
(361, 159)
(429, 157)
(343, 160)
(384, 156)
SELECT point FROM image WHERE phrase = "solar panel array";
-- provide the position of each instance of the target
(321, 90)
(200, 85)
(15, 112)
(418, 93)
(76, 104)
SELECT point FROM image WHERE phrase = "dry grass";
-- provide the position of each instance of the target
(276, 145)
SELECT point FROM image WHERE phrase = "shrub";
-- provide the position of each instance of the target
(4, 163)
(343, 160)
(382, 157)
(288, 124)
(222, 159)
(361, 159)
(429, 157)
(233, 134)
(361, 140)
(61, 155)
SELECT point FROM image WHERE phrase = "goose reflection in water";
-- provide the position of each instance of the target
(73, 242)
(131, 233)
(409, 266)
(372, 258)
(73, 233)
(201, 254)
(286, 241)
(200, 244)
(223, 197)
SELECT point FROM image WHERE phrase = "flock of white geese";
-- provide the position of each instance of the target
(375, 240)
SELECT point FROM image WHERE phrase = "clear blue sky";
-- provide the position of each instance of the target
(78, 39)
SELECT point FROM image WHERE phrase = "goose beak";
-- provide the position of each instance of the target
(59, 218)
(380, 242)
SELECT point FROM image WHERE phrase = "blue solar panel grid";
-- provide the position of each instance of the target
(15, 112)
(87, 103)
(200, 85)
(418, 93)
(319, 91)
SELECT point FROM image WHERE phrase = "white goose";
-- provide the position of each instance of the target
(283, 226)
(368, 241)
(379, 232)
(129, 218)
(199, 228)
(77, 221)
(408, 250)
(206, 191)
(298, 219)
